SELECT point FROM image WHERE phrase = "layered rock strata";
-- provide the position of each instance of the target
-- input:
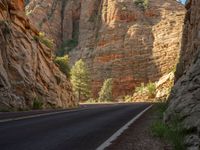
(118, 39)
(27, 71)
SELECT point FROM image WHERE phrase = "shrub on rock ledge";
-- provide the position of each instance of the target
(62, 62)
(143, 4)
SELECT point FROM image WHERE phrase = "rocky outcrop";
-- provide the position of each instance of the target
(27, 72)
(118, 39)
(153, 92)
(59, 19)
(184, 100)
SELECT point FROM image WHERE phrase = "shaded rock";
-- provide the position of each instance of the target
(192, 142)
(184, 99)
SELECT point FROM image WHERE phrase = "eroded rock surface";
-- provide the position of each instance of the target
(117, 39)
(185, 96)
(59, 19)
(27, 72)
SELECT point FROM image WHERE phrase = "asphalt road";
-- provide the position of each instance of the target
(78, 130)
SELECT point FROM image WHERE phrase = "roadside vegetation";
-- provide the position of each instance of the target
(143, 92)
(149, 89)
(172, 133)
(152, 91)
(5, 110)
(37, 103)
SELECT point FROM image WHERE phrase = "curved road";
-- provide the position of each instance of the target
(77, 130)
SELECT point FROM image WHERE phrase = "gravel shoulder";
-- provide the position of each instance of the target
(139, 137)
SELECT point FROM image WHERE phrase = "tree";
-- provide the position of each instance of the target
(81, 80)
(106, 91)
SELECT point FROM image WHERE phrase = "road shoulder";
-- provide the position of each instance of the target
(139, 137)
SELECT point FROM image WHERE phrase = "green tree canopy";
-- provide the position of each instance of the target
(81, 80)
(106, 91)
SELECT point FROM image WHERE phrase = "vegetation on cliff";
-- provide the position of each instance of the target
(62, 62)
(143, 4)
(26, 63)
(43, 39)
(150, 89)
(37, 103)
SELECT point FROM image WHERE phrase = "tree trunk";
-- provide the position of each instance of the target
(79, 95)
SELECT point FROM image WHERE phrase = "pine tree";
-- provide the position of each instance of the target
(106, 91)
(81, 80)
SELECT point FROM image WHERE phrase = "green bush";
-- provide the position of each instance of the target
(141, 88)
(62, 62)
(159, 129)
(143, 4)
(37, 103)
(43, 39)
(151, 89)
(174, 133)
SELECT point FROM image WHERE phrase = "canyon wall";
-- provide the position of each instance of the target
(27, 71)
(59, 19)
(184, 100)
(117, 38)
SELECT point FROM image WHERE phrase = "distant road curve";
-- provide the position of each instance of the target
(82, 129)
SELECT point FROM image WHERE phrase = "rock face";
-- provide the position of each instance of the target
(59, 19)
(118, 39)
(27, 72)
(185, 96)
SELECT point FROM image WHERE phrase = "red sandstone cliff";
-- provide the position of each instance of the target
(27, 71)
(117, 39)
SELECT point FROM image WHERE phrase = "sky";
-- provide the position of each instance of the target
(183, 1)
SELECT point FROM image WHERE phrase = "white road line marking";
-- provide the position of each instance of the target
(109, 141)
(40, 115)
